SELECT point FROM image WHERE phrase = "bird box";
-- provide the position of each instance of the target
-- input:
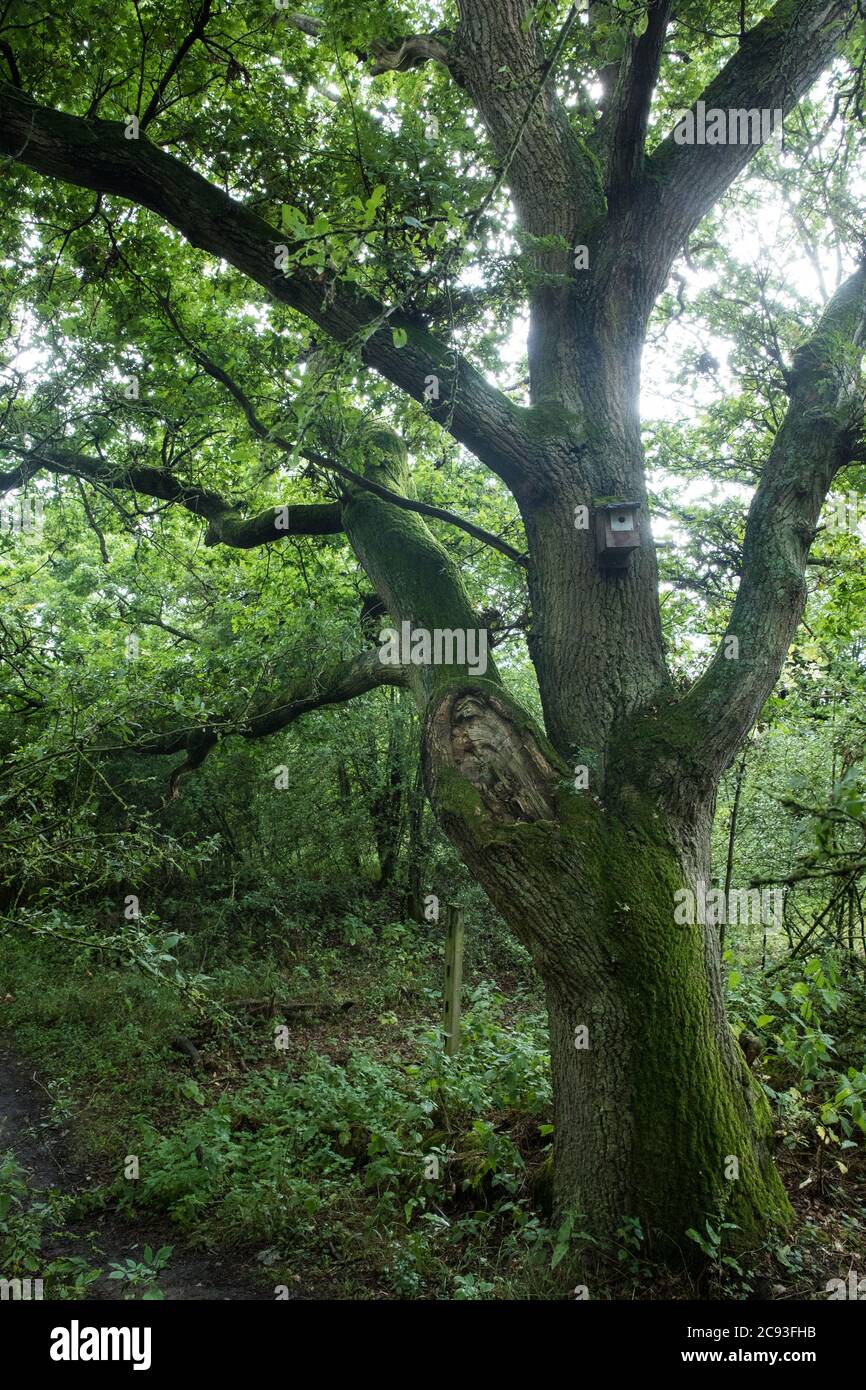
(617, 533)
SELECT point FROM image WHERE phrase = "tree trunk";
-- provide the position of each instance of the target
(657, 1115)
(732, 835)
(659, 1104)
(386, 812)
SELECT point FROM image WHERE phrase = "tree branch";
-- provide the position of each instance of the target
(622, 129)
(776, 64)
(818, 437)
(555, 182)
(260, 429)
(10, 60)
(95, 154)
(412, 51)
(226, 525)
(343, 681)
(409, 504)
(195, 33)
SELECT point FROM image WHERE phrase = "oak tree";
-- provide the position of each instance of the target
(329, 225)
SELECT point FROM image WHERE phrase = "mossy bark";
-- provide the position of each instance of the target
(656, 1113)
(412, 574)
(658, 1106)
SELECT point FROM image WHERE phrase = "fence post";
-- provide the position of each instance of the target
(453, 977)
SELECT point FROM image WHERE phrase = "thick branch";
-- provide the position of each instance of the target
(226, 525)
(341, 682)
(500, 59)
(409, 504)
(96, 154)
(411, 52)
(776, 64)
(819, 436)
(306, 24)
(395, 55)
(10, 59)
(260, 429)
(416, 580)
(622, 130)
(194, 34)
(554, 181)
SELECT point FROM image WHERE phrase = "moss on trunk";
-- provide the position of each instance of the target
(659, 1110)
(657, 1116)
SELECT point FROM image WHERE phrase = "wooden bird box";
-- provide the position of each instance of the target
(617, 533)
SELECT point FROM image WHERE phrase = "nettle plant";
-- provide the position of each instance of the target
(253, 277)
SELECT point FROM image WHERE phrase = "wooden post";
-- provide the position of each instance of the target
(453, 977)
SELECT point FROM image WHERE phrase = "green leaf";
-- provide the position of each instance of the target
(292, 220)
(372, 204)
(563, 1237)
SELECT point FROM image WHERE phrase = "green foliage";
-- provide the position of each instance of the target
(27, 1222)
(139, 1277)
(811, 1017)
(416, 1173)
(337, 1151)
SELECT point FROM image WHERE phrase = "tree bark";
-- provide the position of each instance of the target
(654, 1101)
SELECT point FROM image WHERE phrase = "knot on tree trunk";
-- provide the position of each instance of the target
(473, 731)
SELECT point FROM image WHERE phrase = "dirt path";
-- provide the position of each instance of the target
(103, 1237)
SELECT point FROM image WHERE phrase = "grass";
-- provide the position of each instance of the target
(339, 1151)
